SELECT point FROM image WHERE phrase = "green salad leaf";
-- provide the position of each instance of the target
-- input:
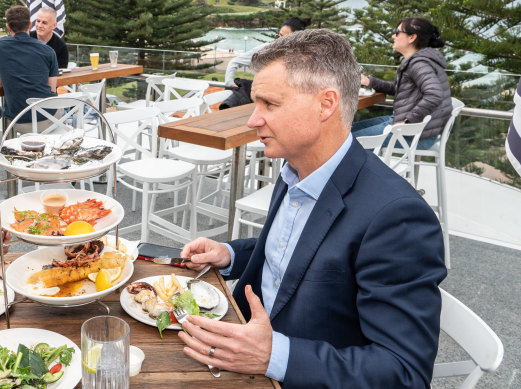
(163, 321)
(187, 301)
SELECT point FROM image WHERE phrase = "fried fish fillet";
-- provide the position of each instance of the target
(60, 275)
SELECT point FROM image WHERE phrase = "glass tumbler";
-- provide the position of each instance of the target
(113, 55)
(94, 60)
(105, 342)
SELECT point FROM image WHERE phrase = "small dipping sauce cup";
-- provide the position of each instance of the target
(53, 200)
(136, 359)
(32, 142)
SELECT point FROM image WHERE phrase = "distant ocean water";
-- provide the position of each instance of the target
(234, 38)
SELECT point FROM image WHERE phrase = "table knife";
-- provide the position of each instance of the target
(179, 262)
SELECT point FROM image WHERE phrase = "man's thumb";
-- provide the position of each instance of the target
(255, 303)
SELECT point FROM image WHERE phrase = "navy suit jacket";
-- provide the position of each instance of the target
(359, 299)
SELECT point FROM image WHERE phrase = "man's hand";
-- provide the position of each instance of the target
(243, 348)
(204, 251)
(6, 237)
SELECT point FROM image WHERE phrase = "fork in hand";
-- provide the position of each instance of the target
(181, 315)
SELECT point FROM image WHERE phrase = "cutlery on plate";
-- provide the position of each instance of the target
(171, 261)
(202, 272)
(181, 315)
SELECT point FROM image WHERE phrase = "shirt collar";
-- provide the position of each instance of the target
(313, 184)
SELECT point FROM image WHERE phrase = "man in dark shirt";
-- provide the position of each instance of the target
(28, 68)
(45, 24)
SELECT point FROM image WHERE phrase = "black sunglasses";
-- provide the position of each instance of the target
(398, 31)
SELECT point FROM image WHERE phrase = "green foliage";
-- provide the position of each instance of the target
(323, 13)
(488, 27)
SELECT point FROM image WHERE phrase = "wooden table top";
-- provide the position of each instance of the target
(83, 74)
(165, 364)
(227, 129)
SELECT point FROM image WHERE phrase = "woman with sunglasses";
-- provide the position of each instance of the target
(291, 25)
(421, 86)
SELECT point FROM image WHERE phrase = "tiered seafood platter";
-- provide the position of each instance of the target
(62, 159)
(32, 202)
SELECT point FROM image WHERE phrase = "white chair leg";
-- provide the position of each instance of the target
(236, 224)
(145, 213)
(442, 207)
(193, 207)
(134, 196)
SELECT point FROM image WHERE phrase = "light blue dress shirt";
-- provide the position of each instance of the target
(291, 217)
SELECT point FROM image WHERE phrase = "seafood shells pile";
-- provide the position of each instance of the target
(64, 154)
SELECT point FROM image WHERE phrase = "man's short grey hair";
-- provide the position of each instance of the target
(48, 10)
(315, 60)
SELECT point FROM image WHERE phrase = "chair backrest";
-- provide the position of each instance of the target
(92, 93)
(374, 142)
(72, 105)
(130, 127)
(156, 88)
(215, 98)
(404, 140)
(189, 106)
(474, 336)
(193, 88)
(457, 106)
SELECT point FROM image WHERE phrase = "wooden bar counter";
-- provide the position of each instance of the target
(165, 364)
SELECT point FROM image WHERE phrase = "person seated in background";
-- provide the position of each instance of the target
(340, 289)
(421, 86)
(45, 25)
(291, 25)
(28, 68)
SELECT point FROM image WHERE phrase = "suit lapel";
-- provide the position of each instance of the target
(329, 205)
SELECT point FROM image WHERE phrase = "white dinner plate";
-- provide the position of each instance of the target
(133, 308)
(31, 201)
(366, 92)
(32, 336)
(10, 297)
(20, 270)
(75, 172)
(128, 247)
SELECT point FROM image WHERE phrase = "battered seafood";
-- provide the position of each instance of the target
(61, 275)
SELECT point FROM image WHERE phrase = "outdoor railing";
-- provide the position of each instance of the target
(476, 143)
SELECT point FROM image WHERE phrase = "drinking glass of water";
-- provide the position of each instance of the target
(105, 344)
(113, 55)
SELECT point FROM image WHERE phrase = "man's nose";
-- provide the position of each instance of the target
(255, 119)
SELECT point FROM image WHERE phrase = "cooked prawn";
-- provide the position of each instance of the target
(88, 211)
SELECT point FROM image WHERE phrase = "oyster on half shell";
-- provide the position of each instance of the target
(204, 294)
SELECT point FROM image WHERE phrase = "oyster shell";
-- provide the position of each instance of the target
(91, 153)
(12, 154)
(69, 143)
(52, 162)
(204, 294)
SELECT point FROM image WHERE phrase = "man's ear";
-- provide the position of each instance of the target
(329, 103)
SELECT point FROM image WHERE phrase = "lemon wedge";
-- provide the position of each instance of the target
(114, 274)
(103, 280)
(78, 228)
(91, 359)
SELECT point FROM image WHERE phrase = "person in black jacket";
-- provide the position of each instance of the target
(45, 24)
(421, 86)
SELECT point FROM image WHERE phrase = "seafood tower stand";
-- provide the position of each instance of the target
(60, 154)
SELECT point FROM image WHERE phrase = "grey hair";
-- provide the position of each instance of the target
(49, 10)
(315, 60)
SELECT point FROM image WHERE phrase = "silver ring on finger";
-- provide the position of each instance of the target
(212, 351)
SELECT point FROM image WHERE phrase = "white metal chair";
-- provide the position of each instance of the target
(398, 144)
(437, 151)
(250, 208)
(152, 176)
(58, 124)
(212, 164)
(215, 98)
(474, 336)
(375, 142)
(155, 93)
(256, 159)
(175, 87)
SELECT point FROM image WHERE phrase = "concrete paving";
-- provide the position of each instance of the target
(484, 277)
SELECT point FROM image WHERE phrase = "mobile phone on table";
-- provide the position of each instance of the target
(148, 251)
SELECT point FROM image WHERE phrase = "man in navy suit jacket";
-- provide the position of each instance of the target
(341, 287)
